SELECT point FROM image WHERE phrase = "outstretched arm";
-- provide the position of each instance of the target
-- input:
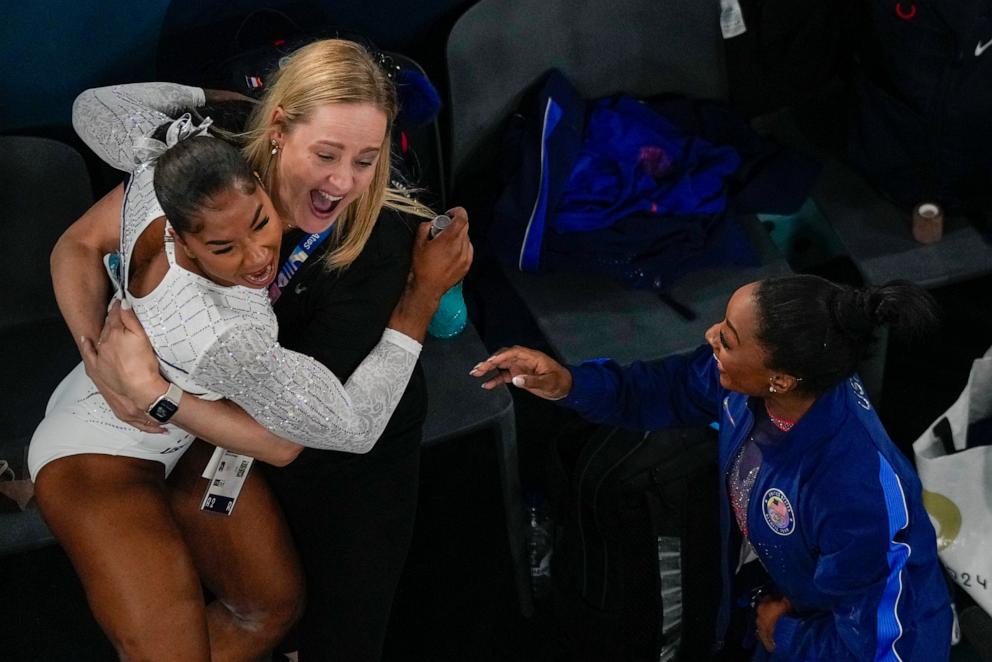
(646, 395)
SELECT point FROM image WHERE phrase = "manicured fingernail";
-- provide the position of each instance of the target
(125, 304)
(518, 381)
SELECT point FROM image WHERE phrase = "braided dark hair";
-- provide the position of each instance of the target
(189, 174)
(820, 331)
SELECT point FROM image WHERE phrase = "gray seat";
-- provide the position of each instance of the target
(875, 234)
(46, 187)
(499, 48)
(642, 47)
(458, 406)
(583, 316)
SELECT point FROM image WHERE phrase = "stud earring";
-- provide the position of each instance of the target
(771, 389)
(275, 146)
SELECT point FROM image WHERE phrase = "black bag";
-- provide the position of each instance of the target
(635, 572)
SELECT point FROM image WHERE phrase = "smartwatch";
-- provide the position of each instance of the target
(166, 404)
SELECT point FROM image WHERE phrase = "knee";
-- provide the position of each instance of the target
(281, 612)
(271, 616)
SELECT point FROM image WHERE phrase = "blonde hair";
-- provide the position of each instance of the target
(332, 71)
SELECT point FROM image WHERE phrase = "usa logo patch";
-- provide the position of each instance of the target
(778, 512)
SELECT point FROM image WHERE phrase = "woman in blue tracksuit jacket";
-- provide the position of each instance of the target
(811, 483)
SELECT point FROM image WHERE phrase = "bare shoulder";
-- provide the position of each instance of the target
(148, 263)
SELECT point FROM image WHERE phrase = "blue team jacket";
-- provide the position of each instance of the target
(835, 514)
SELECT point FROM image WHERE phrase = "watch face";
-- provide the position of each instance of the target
(163, 410)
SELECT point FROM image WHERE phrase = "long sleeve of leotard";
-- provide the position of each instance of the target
(298, 398)
(112, 120)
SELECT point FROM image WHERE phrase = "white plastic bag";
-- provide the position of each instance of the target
(957, 486)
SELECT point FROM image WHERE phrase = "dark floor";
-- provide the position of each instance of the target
(457, 601)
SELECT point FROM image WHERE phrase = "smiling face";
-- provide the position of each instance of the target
(326, 162)
(740, 358)
(238, 238)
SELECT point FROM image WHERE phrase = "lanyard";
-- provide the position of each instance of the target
(303, 250)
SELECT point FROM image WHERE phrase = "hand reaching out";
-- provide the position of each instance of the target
(525, 368)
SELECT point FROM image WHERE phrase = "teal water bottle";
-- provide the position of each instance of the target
(451, 316)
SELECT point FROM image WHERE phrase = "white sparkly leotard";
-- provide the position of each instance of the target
(211, 340)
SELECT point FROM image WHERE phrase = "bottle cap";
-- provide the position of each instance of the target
(439, 223)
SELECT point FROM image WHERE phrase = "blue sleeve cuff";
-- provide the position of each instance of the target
(586, 387)
(785, 631)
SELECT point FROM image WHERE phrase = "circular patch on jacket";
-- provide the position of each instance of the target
(778, 512)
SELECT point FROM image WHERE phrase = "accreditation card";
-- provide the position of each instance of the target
(227, 473)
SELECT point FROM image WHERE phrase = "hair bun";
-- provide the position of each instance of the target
(853, 312)
(821, 331)
(904, 305)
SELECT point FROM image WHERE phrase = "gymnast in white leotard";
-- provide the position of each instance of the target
(215, 341)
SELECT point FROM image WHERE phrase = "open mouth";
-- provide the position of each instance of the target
(324, 204)
(262, 277)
